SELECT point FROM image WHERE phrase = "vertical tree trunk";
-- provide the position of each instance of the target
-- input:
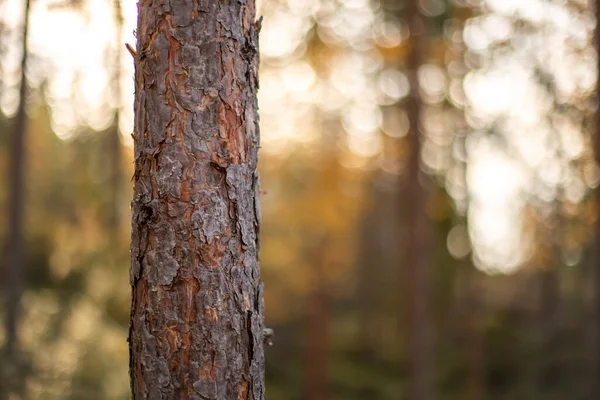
(197, 311)
(596, 244)
(549, 298)
(14, 247)
(476, 388)
(369, 272)
(3, 47)
(547, 324)
(417, 244)
(318, 346)
(114, 135)
(317, 326)
(474, 331)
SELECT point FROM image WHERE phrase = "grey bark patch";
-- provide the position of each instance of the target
(160, 47)
(184, 15)
(158, 119)
(209, 49)
(214, 177)
(207, 389)
(195, 144)
(170, 168)
(250, 116)
(176, 210)
(163, 367)
(250, 256)
(210, 216)
(197, 75)
(168, 179)
(135, 263)
(134, 268)
(236, 179)
(240, 182)
(155, 394)
(204, 121)
(190, 55)
(161, 266)
(186, 260)
(212, 301)
(165, 239)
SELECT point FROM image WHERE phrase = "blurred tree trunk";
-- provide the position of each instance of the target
(317, 326)
(377, 268)
(3, 47)
(15, 265)
(549, 297)
(114, 135)
(474, 331)
(318, 346)
(377, 294)
(596, 245)
(417, 250)
(196, 329)
(369, 261)
(476, 388)
(548, 377)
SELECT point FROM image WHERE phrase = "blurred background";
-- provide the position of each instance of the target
(429, 202)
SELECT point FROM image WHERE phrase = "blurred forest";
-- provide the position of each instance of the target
(430, 173)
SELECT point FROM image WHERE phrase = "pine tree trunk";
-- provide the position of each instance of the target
(15, 265)
(417, 247)
(197, 311)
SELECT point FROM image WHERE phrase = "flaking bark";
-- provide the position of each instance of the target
(197, 309)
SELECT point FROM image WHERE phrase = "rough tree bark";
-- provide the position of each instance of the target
(16, 177)
(197, 311)
(417, 249)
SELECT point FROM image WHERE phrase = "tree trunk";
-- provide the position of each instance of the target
(370, 272)
(476, 388)
(549, 300)
(15, 266)
(114, 135)
(547, 323)
(196, 327)
(317, 324)
(318, 346)
(417, 245)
